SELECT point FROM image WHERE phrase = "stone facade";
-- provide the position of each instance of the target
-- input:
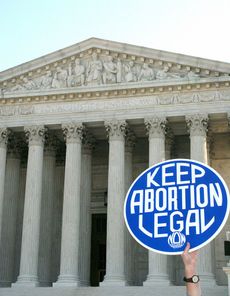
(76, 127)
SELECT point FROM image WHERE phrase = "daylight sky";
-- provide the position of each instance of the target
(32, 28)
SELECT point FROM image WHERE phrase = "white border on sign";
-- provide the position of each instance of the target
(201, 245)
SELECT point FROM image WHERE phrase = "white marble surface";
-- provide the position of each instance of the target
(115, 274)
(10, 208)
(32, 209)
(69, 273)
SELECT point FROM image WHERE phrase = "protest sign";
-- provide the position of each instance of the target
(175, 202)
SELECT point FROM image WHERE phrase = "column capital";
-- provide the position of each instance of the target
(197, 124)
(35, 134)
(130, 140)
(155, 126)
(4, 136)
(115, 129)
(73, 132)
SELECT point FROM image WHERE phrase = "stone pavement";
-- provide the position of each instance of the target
(108, 291)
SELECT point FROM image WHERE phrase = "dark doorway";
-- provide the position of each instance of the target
(98, 249)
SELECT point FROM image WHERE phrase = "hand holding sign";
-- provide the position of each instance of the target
(190, 264)
(174, 202)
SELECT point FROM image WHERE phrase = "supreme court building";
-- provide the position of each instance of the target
(77, 126)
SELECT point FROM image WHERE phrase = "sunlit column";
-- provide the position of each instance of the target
(115, 246)
(158, 264)
(69, 269)
(31, 220)
(197, 125)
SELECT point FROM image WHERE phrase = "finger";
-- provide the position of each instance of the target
(187, 248)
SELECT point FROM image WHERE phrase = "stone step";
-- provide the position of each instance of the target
(110, 291)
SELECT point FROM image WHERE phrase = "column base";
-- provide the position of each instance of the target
(67, 281)
(207, 280)
(111, 281)
(26, 281)
(157, 280)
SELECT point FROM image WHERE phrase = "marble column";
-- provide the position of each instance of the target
(197, 125)
(115, 246)
(4, 133)
(11, 194)
(69, 269)
(85, 215)
(32, 208)
(46, 224)
(158, 263)
(129, 241)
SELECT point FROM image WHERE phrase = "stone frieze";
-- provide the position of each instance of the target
(118, 103)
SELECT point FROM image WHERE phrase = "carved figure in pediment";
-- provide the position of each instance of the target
(119, 71)
(70, 78)
(192, 75)
(77, 76)
(163, 73)
(130, 73)
(60, 78)
(27, 84)
(94, 70)
(16, 88)
(146, 73)
(110, 71)
(79, 71)
(47, 79)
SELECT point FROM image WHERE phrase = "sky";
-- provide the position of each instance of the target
(33, 28)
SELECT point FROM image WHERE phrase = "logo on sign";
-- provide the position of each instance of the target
(175, 202)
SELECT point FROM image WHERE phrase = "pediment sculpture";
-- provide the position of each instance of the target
(98, 70)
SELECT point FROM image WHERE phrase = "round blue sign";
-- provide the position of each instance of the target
(174, 202)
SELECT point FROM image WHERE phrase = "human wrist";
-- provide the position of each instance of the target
(189, 272)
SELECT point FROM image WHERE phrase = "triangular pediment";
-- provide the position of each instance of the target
(101, 63)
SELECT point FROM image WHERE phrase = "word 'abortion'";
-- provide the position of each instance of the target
(177, 202)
